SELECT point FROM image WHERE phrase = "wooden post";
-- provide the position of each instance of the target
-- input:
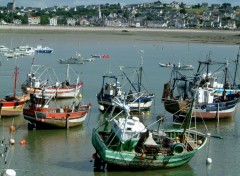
(67, 121)
(218, 115)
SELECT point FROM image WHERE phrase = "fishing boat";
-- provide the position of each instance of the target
(41, 115)
(79, 59)
(45, 49)
(230, 88)
(72, 60)
(110, 88)
(11, 54)
(24, 50)
(3, 49)
(177, 94)
(37, 81)
(123, 142)
(183, 67)
(12, 105)
(136, 98)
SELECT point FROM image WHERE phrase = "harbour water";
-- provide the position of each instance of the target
(69, 152)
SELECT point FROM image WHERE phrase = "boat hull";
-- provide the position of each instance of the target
(52, 117)
(70, 92)
(144, 104)
(12, 108)
(43, 51)
(135, 161)
(71, 61)
(205, 111)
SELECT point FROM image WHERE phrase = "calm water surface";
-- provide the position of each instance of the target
(69, 152)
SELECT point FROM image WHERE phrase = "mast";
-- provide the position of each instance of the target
(188, 119)
(128, 79)
(15, 81)
(67, 73)
(236, 69)
(140, 78)
(225, 81)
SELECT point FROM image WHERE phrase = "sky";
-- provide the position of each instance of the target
(73, 3)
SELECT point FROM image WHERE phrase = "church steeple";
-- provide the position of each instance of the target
(99, 12)
(14, 5)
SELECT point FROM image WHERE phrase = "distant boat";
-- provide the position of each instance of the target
(183, 67)
(79, 59)
(166, 65)
(45, 49)
(24, 50)
(178, 67)
(3, 49)
(104, 56)
(11, 54)
(71, 60)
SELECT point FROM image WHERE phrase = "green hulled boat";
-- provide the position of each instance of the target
(129, 144)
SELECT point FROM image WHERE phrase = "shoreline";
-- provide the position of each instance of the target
(190, 35)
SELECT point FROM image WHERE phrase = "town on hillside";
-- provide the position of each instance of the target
(147, 15)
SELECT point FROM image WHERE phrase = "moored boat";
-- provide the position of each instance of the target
(166, 65)
(40, 115)
(79, 59)
(136, 98)
(45, 49)
(12, 105)
(35, 84)
(183, 67)
(4, 49)
(24, 50)
(178, 94)
(104, 56)
(123, 141)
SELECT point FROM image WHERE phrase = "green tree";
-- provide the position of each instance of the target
(126, 14)
(183, 11)
(44, 20)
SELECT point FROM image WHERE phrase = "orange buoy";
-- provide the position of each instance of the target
(12, 128)
(23, 142)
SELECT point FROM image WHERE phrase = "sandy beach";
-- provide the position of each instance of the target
(172, 35)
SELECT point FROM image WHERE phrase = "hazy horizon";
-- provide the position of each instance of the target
(73, 3)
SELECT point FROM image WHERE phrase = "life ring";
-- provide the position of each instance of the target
(178, 148)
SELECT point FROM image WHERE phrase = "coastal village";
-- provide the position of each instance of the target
(143, 15)
(47, 128)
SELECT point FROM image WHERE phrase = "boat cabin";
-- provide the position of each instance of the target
(112, 89)
(127, 129)
(205, 95)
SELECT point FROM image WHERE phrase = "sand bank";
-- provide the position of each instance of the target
(190, 35)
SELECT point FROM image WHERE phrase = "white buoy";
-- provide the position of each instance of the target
(12, 141)
(10, 172)
(209, 160)
(101, 107)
